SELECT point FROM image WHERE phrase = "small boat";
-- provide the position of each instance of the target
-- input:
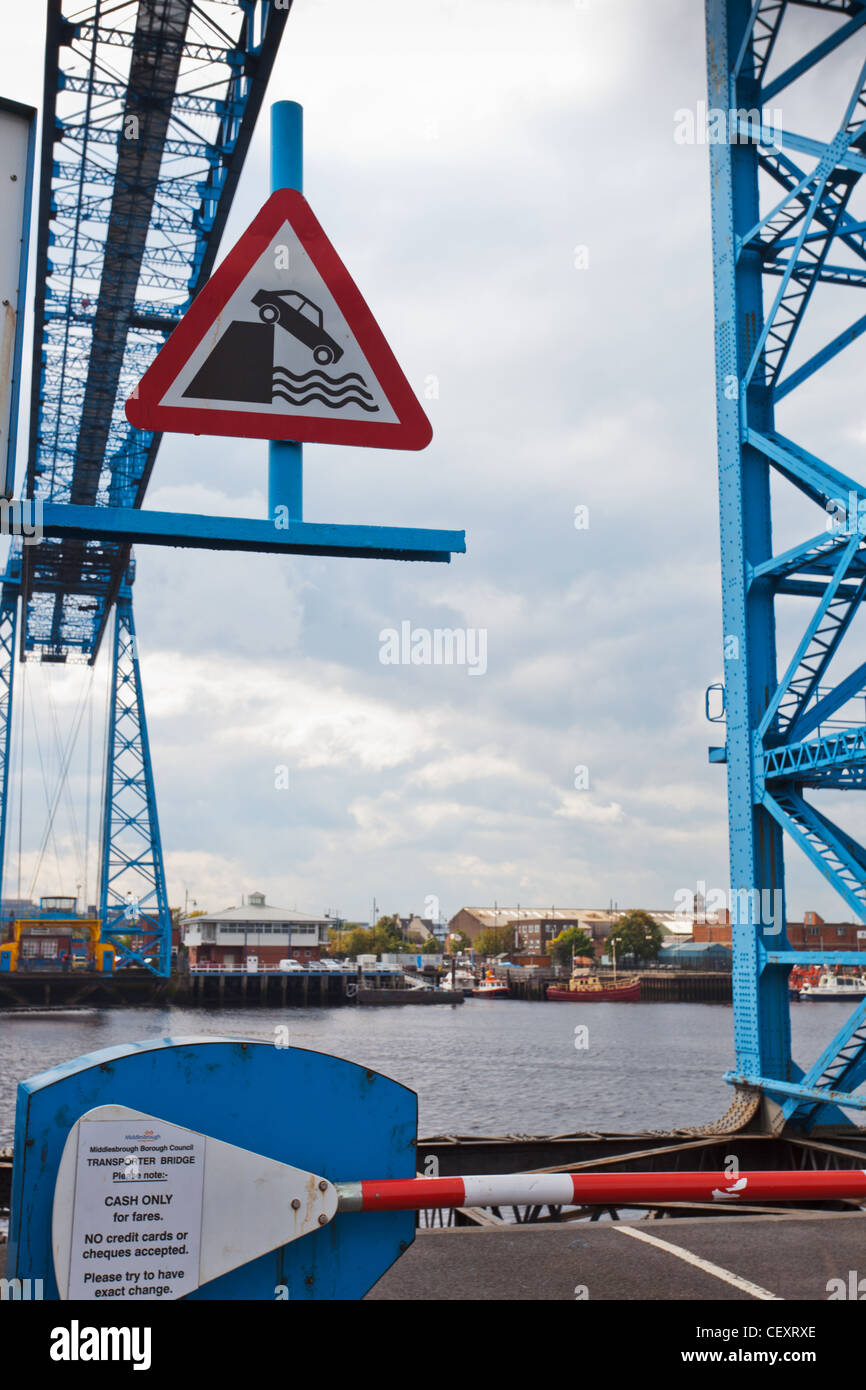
(835, 987)
(585, 989)
(491, 988)
(462, 981)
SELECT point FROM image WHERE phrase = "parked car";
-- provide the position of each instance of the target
(290, 965)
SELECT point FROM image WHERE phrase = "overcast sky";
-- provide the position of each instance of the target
(458, 155)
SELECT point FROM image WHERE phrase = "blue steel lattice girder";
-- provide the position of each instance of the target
(818, 554)
(806, 199)
(821, 358)
(761, 1016)
(815, 55)
(828, 704)
(132, 217)
(805, 759)
(820, 958)
(785, 172)
(799, 760)
(841, 1067)
(132, 902)
(783, 333)
(817, 479)
(822, 844)
(816, 647)
(767, 719)
(836, 834)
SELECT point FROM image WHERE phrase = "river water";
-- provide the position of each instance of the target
(484, 1067)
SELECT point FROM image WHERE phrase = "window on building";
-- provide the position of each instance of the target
(841, 931)
(814, 931)
(45, 947)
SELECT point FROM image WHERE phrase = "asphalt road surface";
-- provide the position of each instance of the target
(744, 1258)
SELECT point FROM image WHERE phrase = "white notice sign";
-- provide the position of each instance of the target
(136, 1229)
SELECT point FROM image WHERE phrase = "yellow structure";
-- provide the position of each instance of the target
(67, 943)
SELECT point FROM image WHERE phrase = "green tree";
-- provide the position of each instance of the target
(459, 941)
(570, 942)
(387, 935)
(430, 947)
(493, 941)
(337, 937)
(637, 934)
(357, 942)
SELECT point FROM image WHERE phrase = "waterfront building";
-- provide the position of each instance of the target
(812, 934)
(537, 927)
(254, 935)
(417, 931)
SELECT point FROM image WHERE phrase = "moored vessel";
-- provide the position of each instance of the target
(832, 986)
(584, 989)
(491, 987)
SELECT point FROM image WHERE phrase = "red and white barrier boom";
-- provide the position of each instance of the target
(596, 1189)
(131, 1186)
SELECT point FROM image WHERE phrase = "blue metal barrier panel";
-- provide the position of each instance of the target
(317, 1112)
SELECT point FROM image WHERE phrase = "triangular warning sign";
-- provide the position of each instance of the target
(280, 345)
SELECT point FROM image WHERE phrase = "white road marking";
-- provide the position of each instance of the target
(745, 1284)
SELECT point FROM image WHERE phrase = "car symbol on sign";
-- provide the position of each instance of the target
(300, 317)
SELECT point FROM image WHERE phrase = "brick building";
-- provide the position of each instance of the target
(812, 934)
(536, 927)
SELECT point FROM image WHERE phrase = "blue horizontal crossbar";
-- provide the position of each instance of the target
(791, 1088)
(132, 526)
(843, 749)
(828, 957)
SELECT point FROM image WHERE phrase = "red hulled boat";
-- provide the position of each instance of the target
(586, 990)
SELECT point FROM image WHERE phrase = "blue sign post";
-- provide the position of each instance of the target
(285, 457)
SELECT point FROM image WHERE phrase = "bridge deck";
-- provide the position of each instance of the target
(790, 1256)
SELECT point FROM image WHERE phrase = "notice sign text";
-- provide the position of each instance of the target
(137, 1211)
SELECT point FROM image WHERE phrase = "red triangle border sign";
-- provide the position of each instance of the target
(146, 409)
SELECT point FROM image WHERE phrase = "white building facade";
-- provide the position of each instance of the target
(254, 936)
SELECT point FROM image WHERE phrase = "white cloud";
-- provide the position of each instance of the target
(581, 806)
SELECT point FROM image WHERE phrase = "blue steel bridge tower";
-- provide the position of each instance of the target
(148, 111)
(789, 253)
